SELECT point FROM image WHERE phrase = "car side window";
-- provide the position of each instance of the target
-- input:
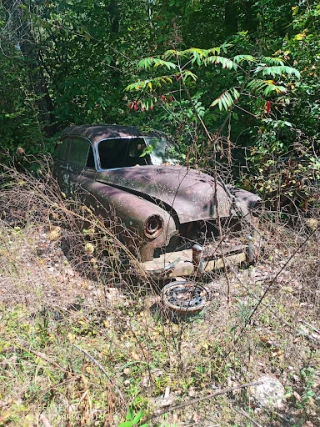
(122, 152)
(138, 153)
(80, 153)
(112, 153)
(61, 150)
(90, 160)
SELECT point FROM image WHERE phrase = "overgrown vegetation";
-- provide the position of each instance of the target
(84, 345)
(83, 341)
(70, 62)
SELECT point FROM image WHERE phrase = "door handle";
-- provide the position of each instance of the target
(67, 168)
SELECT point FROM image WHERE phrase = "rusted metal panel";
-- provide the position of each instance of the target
(131, 212)
(187, 263)
(96, 133)
(188, 193)
(244, 200)
(185, 267)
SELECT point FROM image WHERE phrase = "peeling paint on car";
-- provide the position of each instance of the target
(169, 208)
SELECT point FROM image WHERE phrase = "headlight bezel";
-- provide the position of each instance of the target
(153, 226)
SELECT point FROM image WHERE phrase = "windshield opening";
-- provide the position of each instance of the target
(123, 152)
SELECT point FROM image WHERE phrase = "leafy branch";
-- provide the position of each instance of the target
(258, 74)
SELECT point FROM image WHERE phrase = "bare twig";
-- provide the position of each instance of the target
(273, 281)
(44, 420)
(201, 399)
(215, 176)
(42, 356)
(243, 412)
(309, 326)
(101, 369)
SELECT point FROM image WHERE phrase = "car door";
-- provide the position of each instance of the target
(60, 168)
(81, 163)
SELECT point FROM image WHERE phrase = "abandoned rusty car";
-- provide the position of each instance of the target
(175, 214)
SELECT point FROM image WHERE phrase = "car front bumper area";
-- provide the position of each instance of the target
(199, 260)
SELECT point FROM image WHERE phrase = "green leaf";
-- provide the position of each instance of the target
(149, 84)
(145, 63)
(225, 46)
(266, 87)
(197, 55)
(256, 85)
(129, 415)
(138, 417)
(189, 74)
(170, 53)
(133, 421)
(221, 60)
(277, 70)
(241, 58)
(126, 424)
(227, 99)
(214, 51)
(270, 88)
(148, 63)
(272, 60)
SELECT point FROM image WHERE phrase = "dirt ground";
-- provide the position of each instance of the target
(269, 328)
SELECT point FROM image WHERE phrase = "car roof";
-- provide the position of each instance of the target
(97, 133)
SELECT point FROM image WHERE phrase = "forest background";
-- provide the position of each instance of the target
(239, 73)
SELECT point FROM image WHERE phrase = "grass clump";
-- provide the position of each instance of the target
(82, 343)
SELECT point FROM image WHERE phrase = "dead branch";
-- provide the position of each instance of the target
(101, 369)
(201, 399)
(272, 282)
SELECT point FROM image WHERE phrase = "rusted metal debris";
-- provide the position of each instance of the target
(184, 298)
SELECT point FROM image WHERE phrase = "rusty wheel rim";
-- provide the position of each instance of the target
(184, 297)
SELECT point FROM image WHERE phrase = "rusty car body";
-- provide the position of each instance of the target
(174, 213)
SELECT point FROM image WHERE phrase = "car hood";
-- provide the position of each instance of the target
(189, 193)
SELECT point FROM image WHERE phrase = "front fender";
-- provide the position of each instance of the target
(130, 212)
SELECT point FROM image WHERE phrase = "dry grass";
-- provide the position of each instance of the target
(81, 341)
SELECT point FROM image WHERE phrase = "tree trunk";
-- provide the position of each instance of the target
(21, 35)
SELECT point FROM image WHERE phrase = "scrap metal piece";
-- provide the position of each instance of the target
(250, 251)
(184, 297)
(180, 264)
(196, 258)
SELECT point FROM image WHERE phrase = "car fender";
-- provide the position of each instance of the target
(129, 212)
